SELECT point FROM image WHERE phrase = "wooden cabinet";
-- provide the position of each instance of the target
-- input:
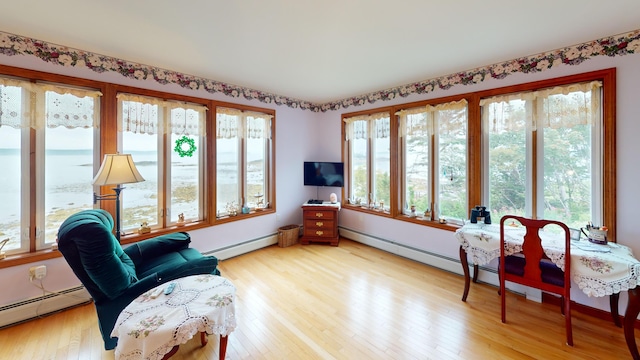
(320, 224)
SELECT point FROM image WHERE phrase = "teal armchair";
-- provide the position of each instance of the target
(114, 276)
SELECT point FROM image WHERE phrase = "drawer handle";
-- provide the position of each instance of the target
(319, 214)
(319, 224)
(319, 232)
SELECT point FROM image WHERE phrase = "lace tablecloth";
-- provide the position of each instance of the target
(598, 270)
(149, 328)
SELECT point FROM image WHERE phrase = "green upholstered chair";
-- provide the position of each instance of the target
(114, 276)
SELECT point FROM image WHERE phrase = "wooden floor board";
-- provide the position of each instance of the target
(348, 302)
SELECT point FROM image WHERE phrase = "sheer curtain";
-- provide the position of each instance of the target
(144, 115)
(419, 121)
(357, 126)
(37, 105)
(231, 122)
(547, 112)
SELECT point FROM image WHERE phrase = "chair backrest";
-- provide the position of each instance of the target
(94, 254)
(533, 253)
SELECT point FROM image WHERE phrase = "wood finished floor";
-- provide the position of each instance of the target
(348, 302)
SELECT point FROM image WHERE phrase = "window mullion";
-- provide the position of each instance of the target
(371, 163)
(164, 173)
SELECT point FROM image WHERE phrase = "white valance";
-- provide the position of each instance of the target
(515, 111)
(146, 115)
(358, 127)
(38, 105)
(452, 105)
(419, 121)
(249, 124)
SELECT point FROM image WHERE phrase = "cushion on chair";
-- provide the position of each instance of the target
(551, 273)
(514, 264)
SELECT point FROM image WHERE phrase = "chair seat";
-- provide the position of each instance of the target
(551, 273)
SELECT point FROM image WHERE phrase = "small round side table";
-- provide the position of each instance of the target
(153, 328)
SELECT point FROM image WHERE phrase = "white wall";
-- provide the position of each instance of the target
(303, 135)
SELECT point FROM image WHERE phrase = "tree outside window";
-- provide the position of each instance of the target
(434, 134)
(563, 124)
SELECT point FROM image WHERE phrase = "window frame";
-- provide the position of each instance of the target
(347, 152)
(269, 164)
(432, 111)
(107, 144)
(608, 140)
(165, 216)
(475, 160)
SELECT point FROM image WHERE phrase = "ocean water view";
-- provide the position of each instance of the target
(68, 188)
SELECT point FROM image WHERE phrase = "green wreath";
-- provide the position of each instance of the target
(185, 146)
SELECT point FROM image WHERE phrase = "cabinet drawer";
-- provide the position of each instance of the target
(319, 231)
(319, 214)
(320, 224)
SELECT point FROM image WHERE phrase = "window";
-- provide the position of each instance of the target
(434, 136)
(57, 124)
(166, 141)
(560, 130)
(369, 159)
(243, 160)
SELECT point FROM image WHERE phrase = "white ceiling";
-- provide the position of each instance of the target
(322, 50)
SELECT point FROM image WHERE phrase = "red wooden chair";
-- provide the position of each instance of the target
(532, 268)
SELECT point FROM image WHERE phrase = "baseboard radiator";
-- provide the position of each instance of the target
(244, 247)
(42, 305)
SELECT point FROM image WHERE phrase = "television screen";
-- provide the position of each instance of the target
(324, 173)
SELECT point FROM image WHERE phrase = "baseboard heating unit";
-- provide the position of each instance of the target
(42, 305)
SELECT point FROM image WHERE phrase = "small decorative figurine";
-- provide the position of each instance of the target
(180, 219)
(144, 228)
(333, 198)
(2, 244)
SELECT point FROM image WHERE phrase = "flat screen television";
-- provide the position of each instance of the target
(323, 173)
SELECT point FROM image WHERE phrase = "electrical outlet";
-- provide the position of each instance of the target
(37, 272)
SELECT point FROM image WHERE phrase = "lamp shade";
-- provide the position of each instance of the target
(117, 169)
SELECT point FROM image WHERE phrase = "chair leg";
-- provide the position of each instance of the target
(567, 317)
(503, 294)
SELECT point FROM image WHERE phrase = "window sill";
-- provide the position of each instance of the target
(21, 259)
(412, 219)
(367, 210)
(238, 217)
(427, 222)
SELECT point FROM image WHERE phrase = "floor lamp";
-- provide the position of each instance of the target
(116, 169)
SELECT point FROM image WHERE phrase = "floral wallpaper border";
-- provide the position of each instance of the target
(616, 45)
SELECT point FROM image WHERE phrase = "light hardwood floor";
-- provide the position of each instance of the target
(348, 302)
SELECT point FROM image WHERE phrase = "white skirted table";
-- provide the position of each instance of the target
(598, 270)
(153, 328)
